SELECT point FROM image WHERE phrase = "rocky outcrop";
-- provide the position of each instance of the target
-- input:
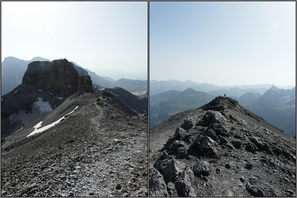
(49, 82)
(157, 184)
(222, 149)
(58, 77)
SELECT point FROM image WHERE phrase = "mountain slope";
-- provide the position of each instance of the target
(221, 149)
(248, 98)
(137, 103)
(45, 85)
(188, 99)
(277, 106)
(98, 150)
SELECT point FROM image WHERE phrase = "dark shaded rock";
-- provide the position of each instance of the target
(189, 123)
(236, 144)
(182, 152)
(157, 186)
(207, 146)
(202, 168)
(242, 179)
(180, 133)
(211, 117)
(251, 148)
(211, 133)
(59, 77)
(184, 186)
(177, 144)
(118, 186)
(258, 188)
(248, 166)
(169, 168)
(227, 166)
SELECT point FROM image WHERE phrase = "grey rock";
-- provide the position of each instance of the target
(248, 166)
(157, 185)
(207, 146)
(227, 166)
(202, 168)
(183, 184)
(171, 186)
(236, 144)
(258, 188)
(170, 169)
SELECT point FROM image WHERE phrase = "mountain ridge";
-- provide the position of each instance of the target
(220, 149)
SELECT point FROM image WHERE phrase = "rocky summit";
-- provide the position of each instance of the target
(45, 85)
(98, 147)
(221, 149)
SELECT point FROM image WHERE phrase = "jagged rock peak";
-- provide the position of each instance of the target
(221, 103)
(59, 77)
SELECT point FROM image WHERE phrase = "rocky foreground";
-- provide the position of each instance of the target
(99, 150)
(221, 149)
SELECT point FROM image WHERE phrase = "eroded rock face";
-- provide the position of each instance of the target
(50, 82)
(221, 147)
(58, 76)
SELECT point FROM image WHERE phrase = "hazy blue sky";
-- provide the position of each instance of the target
(223, 43)
(105, 37)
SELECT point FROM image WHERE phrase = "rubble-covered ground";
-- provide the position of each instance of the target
(98, 150)
(221, 149)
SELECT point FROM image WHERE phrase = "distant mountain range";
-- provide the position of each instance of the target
(277, 106)
(157, 87)
(167, 104)
(13, 70)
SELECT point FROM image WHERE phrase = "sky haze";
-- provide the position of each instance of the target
(223, 43)
(109, 38)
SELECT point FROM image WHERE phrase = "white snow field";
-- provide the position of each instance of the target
(39, 130)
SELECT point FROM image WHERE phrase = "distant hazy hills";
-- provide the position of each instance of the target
(167, 104)
(276, 106)
(13, 70)
(157, 87)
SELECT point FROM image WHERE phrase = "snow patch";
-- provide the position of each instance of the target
(42, 106)
(39, 89)
(16, 92)
(60, 98)
(37, 128)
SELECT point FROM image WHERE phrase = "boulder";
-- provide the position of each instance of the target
(183, 184)
(207, 146)
(211, 117)
(157, 185)
(169, 168)
(202, 168)
(189, 123)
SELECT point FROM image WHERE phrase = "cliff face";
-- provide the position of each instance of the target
(58, 77)
(44, 84)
